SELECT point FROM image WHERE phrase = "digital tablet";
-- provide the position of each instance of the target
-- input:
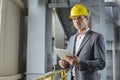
(62, 52)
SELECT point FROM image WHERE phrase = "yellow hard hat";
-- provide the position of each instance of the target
(78, 10)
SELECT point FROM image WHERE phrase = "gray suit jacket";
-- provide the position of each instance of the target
(91, 54)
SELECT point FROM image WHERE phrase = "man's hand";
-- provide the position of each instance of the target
(73, 60)
(63, 63)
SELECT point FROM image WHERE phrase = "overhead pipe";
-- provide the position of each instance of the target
(20, 5)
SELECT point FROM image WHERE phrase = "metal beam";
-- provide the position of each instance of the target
(91, 4)
(97, 4)
(58, 5)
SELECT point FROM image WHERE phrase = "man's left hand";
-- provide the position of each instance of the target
(73, 60)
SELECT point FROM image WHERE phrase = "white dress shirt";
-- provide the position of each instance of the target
(78, 42)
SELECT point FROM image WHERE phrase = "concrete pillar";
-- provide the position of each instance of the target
(102, 30)
(114, 61)
(39, 42)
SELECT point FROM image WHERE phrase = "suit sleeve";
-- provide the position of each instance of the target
(99, 57)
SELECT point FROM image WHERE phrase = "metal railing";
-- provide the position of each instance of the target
(50, 75)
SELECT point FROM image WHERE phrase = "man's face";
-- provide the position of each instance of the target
(80, 22)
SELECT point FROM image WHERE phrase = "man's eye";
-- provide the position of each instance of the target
(73, 19)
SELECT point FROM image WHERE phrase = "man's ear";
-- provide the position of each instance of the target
(87, 17)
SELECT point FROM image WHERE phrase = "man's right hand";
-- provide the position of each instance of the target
(63, 63)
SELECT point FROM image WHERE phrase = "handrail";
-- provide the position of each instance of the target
(50, 75)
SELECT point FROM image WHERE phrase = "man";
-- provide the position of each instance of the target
(86, 46)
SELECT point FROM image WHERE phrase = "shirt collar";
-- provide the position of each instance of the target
(84, 31)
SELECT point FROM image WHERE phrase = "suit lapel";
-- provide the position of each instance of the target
(86, 38)
(73, 44)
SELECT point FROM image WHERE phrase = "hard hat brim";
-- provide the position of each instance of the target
(77, 16)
